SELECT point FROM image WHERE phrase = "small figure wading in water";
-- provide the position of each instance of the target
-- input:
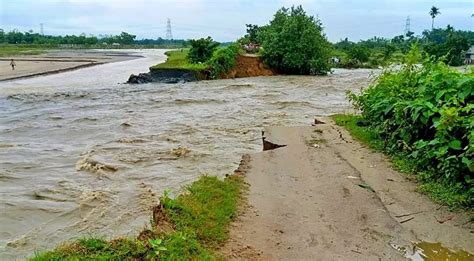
(13, 64)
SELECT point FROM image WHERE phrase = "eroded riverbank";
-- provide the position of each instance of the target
(84, 155)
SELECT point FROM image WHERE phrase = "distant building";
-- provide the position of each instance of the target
(115, 44)
(469, 56)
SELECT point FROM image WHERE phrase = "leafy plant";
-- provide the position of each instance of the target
(156, 246)
(426, 114)
(294, 43)
(223, 60)
(201, 50)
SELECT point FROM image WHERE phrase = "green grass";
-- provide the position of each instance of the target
(198, 219)
(12, 49)
(441, 193)
(178, 60)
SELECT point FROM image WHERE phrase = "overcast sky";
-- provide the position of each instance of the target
(225, 20)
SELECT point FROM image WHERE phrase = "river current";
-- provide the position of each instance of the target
(82, 154)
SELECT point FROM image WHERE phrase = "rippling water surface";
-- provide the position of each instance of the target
(81, 154)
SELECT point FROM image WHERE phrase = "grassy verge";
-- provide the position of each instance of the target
(178, 60)
(189, 227)
(10, 50)
(438, 192)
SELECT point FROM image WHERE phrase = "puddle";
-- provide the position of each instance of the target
(435, 251)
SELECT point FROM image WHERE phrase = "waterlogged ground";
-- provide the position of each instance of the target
(81, 154)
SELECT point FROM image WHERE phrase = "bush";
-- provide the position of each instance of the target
(223, 60)
(426, 114)
(201, 50)
(294, 43)
(358, 53)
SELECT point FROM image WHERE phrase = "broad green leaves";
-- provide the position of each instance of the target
(427, 113)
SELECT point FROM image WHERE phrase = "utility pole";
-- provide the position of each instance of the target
(407, 25)
(169, 33)
(41, 29)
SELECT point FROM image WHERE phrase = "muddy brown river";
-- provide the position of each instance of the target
(82, 154)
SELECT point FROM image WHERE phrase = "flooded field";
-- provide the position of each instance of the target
(82, 154)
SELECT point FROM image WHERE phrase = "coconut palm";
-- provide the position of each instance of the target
(434, 11)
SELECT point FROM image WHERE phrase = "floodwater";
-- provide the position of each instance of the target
(82, 154)
(435, 251)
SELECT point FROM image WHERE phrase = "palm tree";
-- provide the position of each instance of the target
(434, 11)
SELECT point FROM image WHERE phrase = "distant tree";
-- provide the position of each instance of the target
(201, 50)
(253, 33)
(126, 38)
(359, 53)
(447, 44)
(344, 44)
(434, 11)
(294, 43)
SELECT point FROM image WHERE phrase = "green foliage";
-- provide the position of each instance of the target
(366, 134)
(447, 44)
(359, 130)
(358, 53)
(31, 38)
(200, 217)
(201, 50)
(223, 60)
(178, 60)
(206, 209)
(294, 43)
(253, 33)
(425, 113)
(9, 49)
(96, 249)
(434, 11)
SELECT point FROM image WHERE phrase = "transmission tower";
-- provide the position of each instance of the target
(407, 25)
(169, 33)
(41, 29)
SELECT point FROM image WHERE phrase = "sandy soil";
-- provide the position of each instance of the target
(58, 61)
(324, 196)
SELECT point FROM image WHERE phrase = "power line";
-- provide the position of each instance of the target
(41, 29)
(169, 33)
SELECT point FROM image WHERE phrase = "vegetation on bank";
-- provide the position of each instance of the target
(16, 37)
(423, 116)
(9, 50)
(223, 60)
(189, 227)
(178, 59)
(201, 50)
(446, 44)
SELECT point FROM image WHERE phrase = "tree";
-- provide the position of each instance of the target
(359, 54)
(294, 43)
(126, 38)
(253, 32)
(201, 50)
(434, 11)
(446, 44)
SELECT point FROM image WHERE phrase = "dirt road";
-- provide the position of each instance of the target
(323, 196)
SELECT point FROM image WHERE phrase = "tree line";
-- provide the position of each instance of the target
(124, 38)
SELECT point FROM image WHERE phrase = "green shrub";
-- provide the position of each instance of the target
(426, 113)
(201, 50)
(223, 60)
(294, 43)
